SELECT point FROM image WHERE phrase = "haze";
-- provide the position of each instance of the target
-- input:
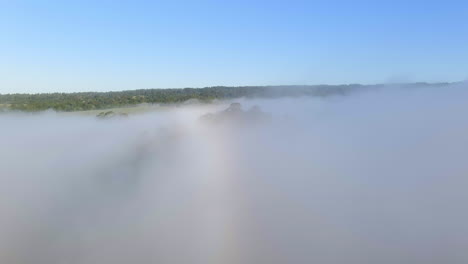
(374, 177)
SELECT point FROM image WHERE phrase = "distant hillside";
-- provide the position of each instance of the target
(102, 100)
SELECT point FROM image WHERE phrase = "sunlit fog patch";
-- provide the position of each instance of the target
(375, 177)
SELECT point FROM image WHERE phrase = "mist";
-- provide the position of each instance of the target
(373, 177)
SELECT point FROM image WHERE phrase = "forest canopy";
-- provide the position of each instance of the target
(101, 100)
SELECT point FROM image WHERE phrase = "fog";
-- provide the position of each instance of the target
(373, 177)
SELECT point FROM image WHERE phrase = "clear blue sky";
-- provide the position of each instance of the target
(66, 46)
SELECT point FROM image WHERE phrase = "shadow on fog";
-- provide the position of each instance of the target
(377, 177)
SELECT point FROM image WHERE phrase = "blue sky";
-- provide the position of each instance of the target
(67, 46)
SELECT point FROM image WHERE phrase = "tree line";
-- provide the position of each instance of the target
(102, 100)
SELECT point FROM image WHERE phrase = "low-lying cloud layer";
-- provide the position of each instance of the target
(376, 177)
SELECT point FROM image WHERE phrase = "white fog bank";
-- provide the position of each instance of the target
(375, 177)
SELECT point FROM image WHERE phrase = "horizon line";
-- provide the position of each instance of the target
(246, 86)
